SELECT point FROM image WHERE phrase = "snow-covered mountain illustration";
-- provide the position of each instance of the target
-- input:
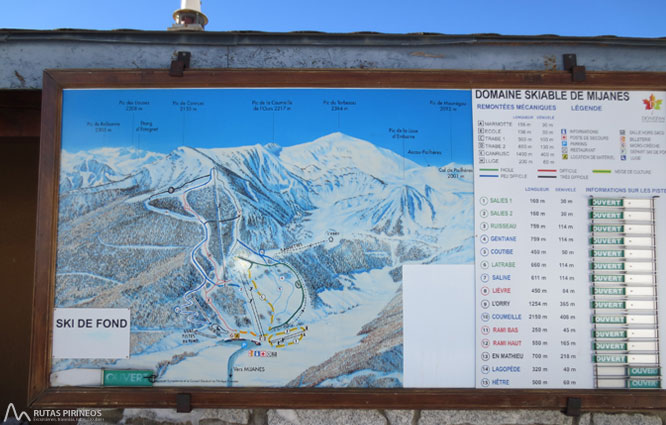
(242, 243)
(101, 166)
(338, 152)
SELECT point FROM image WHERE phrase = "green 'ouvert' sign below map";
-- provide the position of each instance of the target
(128, 378)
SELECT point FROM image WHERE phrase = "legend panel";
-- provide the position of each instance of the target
(569, 218)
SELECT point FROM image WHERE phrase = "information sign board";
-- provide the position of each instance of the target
(352, 234)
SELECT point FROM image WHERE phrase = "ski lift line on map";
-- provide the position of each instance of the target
(224, 220)
(254, 312)
(213, 176)
(298, 284)
(291, 342)
(297, 248)
(277, 340)
(257, 319)
(263, 256)
(263, 297)
(170, 191)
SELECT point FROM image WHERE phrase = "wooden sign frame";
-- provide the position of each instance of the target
(41, 394)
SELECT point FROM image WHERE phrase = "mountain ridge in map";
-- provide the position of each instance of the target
(224, 252)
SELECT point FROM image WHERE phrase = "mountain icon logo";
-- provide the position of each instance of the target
(18, 417)
(652, 103)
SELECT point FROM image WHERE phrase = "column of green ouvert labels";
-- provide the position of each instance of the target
(625, 339)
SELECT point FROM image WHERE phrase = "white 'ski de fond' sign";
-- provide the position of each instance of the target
(91, 333)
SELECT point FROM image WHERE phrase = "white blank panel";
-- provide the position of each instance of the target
(438, 319)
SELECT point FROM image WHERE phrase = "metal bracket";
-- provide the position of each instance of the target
(183, 403)
(571, 64)
(179, 65)
(573, 406)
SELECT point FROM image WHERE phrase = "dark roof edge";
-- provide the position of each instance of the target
(310, 38)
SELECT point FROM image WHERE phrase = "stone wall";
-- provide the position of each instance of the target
(370, 417)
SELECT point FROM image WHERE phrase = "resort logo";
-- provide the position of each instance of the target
(18, 417)
(652, 103)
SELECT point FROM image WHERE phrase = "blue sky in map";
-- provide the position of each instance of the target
(206, 118)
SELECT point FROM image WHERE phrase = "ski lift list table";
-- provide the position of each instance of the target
(569, 238)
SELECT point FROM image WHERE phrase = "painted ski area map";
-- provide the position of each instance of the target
(257, 236)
